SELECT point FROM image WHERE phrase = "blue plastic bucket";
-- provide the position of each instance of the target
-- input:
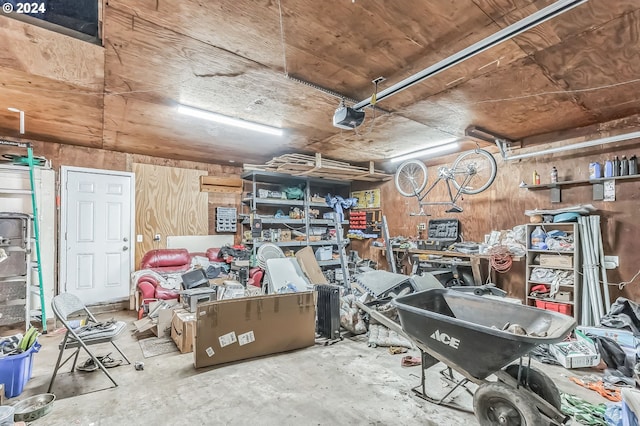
(15, 371)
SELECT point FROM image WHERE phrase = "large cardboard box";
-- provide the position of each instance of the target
(231, 330)
(183, 327)
(554, 261)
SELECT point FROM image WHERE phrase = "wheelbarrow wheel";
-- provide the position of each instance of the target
(539, 383)
(497, 404)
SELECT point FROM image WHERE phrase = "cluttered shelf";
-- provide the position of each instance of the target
(294, 243)
(274, 201)
(577, 182)
(564, 268)
(540, 282)
(268, 220)
(546, 299)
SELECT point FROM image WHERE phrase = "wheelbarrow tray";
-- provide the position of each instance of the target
(464, 331)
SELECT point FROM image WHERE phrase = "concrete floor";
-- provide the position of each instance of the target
(345, 383)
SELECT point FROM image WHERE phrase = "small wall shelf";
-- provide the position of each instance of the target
(598, 186)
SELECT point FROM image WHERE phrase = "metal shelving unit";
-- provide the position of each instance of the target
(262, 208)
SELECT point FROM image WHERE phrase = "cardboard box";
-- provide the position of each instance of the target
(580, 353)
(556, 260)
(183, 327)
(285, 235)
(236, 329)
(563, 296)
(309, 265)
(161, 320)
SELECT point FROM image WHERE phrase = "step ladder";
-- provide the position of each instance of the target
(36, 238)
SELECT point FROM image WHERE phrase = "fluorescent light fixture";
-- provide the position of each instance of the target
(12, 109)
(446, 147)
(229, 121)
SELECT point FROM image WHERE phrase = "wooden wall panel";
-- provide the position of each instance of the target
(57, 80)
(44, 53)
(168, 202)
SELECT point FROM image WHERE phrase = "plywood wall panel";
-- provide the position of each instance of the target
(44, 53)
(54, 110)
(168, 202)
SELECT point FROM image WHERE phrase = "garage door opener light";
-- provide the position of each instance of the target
(229, 121)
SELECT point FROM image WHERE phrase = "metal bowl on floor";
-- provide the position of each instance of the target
(34, 407)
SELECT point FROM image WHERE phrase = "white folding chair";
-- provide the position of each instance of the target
(82, 337)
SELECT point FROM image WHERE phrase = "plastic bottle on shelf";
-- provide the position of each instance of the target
(608, 169)
(633, 165)
(536, 178)
(624, 166)
(616, 166)
(554, 174)
(595, 171)
(538, 237)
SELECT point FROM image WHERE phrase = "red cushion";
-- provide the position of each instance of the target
(165, 258)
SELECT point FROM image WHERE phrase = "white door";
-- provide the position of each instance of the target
(97, 227)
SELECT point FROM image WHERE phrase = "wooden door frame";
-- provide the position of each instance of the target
(62, 246)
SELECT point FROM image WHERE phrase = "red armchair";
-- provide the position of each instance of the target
(162, 261)
(166, 261)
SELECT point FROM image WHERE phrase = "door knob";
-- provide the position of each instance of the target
(125, 239)
(125, 248)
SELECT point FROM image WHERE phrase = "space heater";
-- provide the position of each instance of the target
(328, 311)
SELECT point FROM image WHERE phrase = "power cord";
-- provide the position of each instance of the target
(500, 259)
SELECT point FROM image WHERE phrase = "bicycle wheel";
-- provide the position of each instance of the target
(476, 170)
(411, 178)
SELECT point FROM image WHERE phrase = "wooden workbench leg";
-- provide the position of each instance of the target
(475, 268)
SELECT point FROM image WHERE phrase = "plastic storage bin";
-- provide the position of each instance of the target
(563, 308)
(15, 371)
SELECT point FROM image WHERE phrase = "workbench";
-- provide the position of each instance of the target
(466, 259)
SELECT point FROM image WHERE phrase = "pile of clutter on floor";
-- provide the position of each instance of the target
(611, 349)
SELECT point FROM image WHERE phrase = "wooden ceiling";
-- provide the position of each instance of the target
(234, 57)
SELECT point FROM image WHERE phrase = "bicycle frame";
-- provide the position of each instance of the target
(446, 174)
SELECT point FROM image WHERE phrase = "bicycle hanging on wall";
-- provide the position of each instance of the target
(471, 173)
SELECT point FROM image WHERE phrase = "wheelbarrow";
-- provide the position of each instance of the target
(465, 332)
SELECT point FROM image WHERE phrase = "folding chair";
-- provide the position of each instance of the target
(66, 304)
